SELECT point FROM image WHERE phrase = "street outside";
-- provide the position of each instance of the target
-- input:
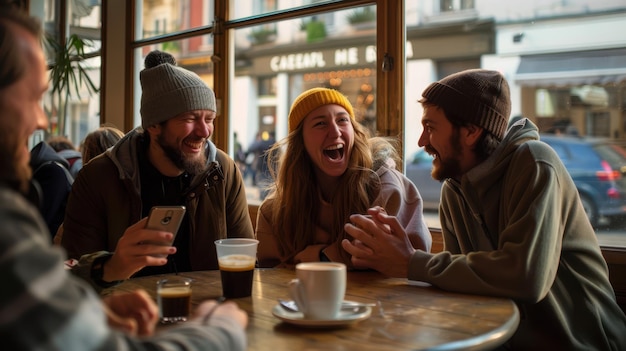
(608, 236)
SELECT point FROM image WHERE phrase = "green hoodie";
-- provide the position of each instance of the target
(514, 227)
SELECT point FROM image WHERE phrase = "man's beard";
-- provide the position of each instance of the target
(450, 167)
(194, 165)
(16, 173)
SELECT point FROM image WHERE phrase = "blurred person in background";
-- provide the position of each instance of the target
(98, 141)
(261, 173)
(52, 184)
(66, 149)
(240, 155)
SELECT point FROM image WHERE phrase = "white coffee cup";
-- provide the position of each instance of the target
(319, 289)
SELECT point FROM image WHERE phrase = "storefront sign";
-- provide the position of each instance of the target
(298, 61)
(362, 56)
(343, 57)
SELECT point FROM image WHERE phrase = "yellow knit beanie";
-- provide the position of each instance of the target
(314, 98)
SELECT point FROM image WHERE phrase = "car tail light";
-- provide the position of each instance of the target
(607, 173)
(612, 193)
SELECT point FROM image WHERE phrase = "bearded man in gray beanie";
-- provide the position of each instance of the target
(512, 222)
(168, 161)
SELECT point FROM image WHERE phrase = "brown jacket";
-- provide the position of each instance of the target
(105, 200)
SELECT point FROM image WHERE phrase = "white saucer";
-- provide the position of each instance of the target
(345, 317)
(419, 283)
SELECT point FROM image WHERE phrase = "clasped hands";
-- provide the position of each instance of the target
(379, 242)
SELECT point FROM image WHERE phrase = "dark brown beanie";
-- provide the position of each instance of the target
(476, 96)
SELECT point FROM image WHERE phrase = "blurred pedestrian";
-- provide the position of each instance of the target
(260, 149)
(66, 149)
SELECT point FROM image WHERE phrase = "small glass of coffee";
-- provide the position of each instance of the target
(174, 299)
(236, 258)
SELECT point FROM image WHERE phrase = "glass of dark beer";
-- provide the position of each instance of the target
(174, 299)
(236, 258)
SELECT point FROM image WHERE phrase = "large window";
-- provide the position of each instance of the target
(160, 17)
(565, 64)
(73, 50)
(455, 5)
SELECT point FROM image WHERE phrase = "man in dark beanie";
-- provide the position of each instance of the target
(512, 222)
(169, 160)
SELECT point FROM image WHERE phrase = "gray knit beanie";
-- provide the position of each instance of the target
(477, 96)
(169, 90)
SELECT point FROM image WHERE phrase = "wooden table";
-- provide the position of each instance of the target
(406, 317)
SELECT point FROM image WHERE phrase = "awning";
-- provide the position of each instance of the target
(573, 68)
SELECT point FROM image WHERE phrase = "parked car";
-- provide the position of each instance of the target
(418, 171)
(597, 166)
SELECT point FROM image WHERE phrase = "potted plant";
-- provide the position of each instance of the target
(315, 30)
(262, 35)
(68, 74)
(363, 17)
(301, 34)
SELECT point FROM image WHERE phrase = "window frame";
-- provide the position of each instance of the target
(390, 83)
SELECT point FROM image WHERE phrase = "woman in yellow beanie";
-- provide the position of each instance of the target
(327, 171)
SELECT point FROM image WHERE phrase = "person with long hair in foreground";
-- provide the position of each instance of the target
(42, 305)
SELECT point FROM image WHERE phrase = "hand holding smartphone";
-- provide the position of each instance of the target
(167, 219)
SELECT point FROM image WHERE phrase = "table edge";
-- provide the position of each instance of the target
(488, 341)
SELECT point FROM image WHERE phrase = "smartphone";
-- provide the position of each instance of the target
(166, 218)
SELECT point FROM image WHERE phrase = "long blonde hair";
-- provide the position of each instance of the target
(295, 191)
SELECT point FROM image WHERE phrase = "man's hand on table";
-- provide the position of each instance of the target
(212, 308)
(134, 313)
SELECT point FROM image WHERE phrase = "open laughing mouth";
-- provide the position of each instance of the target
(431, 152)
(195, 144)
(334, 152)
